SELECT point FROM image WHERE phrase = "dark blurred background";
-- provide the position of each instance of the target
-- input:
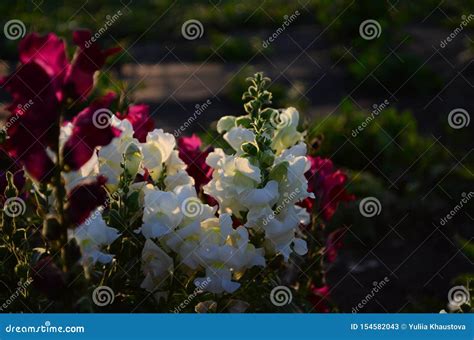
(409, 156)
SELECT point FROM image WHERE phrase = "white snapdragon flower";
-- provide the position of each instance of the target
(224, 251)
(237, 136)
(232, 179)
(225, 123)
(157, 150)
(294, 187)
(176, 174)
(92, 236)
(157, 266)
(286, 132)
(191, 206)
(112, 155)
(281, 233)
(161, 214)
(164, 211)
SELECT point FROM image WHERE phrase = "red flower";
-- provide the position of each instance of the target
(34, 112)
(88, 59)
(319, 298)
(139, 116)
(84, 199)
(92, 128)
(334, 242)
(190, 152)
(328, 185)
(38, 87)
(49, 53)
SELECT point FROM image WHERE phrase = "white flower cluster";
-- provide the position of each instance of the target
(181, 231)
(267, 204)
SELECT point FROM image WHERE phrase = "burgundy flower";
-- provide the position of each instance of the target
(38, 88)
(334, 242)
(49, 53)
(84, 199)
(190, 152)
(48, 278)
(91, 128)
(319, 298)
(34, 111)
(139, 116)
(328, 185)
(88, 59)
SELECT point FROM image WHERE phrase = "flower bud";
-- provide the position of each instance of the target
(133, 159)
(51, 228)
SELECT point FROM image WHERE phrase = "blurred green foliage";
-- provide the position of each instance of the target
(391, 160)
